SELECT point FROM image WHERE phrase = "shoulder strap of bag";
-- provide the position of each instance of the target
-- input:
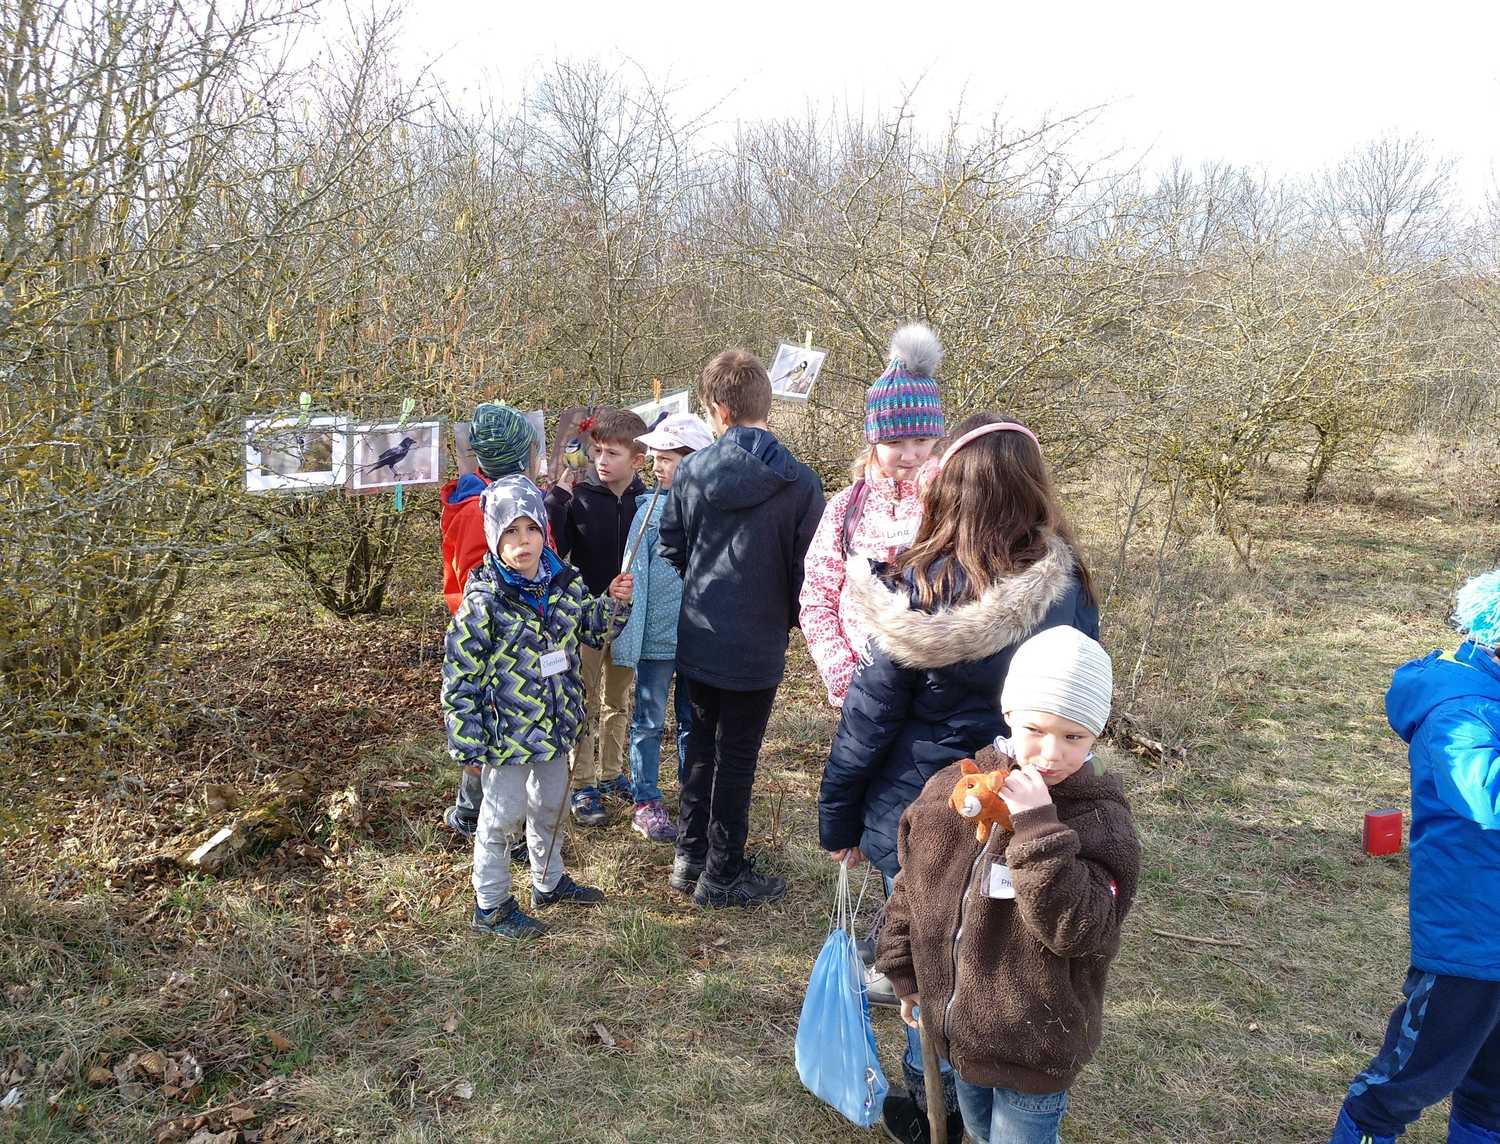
(851, 517)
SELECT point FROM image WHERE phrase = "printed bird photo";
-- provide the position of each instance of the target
(794, 370)
(384, 456)
(290, 453)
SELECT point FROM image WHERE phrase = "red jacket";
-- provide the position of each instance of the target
(464, 546)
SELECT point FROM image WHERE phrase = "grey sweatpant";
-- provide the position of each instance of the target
(517, 797)
(469, 795)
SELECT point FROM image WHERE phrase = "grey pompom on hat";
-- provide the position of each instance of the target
(1060, 671)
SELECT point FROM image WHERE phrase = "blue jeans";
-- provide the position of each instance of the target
(1004, 1116)
(652, 677)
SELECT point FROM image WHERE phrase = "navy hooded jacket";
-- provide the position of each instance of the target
(737, 525)
(591, 527)
(1448, 708)
(927, 691)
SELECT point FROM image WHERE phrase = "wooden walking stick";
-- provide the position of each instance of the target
(609, 640)
(932, 1080)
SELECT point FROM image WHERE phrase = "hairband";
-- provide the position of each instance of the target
(975, 434)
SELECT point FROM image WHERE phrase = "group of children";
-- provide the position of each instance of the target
(566, 642)
(953, 623)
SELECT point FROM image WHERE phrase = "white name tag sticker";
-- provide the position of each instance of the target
(999, 885)
(554, 663)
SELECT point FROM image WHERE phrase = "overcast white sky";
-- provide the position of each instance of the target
(1291, 86)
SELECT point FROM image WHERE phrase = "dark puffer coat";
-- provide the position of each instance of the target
(927, 691)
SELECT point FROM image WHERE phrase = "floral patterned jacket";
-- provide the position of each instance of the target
(832, 625)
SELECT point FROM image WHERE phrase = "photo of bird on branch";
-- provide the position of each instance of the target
(388, 455)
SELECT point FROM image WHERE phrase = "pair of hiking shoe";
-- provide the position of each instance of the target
(748, 888)
(587, 804)
(508, 920)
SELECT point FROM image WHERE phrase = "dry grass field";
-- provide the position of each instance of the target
(330, 990)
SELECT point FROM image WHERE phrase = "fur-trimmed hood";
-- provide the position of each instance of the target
(1005, 614)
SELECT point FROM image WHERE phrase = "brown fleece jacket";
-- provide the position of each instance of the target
(1027, 1010)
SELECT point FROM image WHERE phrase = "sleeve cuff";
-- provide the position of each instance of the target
(1031, 825)
(833, 838)
(900, 975)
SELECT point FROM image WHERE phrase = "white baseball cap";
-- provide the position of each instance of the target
(679, 431)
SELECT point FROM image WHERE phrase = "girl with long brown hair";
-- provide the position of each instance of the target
(993, 563)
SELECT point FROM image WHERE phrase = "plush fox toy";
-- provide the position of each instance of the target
(977, 796)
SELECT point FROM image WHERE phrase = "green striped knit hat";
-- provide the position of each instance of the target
(904, 401)
(501, 438)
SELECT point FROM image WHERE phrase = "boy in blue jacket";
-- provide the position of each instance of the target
(1444, 1037)
(648, 645)
(737, 525)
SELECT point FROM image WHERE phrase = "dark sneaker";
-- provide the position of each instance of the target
(750, 888)
(879, 990)
(588, 808)
(650, 821)
(617, 787)
(519, 852)
(904, 1120)
(459, 825)
(567, 891)
(685, 874)
(506, 920)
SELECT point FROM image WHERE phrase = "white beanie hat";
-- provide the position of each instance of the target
(1060, 671)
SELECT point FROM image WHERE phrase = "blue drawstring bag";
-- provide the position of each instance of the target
(835, 1040)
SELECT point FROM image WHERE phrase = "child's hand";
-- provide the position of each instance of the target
(622, 587)
(854, 854)
(1025, 790)
(909, 1005)
(567, 478)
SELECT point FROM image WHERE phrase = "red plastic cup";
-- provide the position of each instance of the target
(1382, 831)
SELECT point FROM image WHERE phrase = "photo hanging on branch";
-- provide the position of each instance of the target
(385, 455)
(537, 419)
(673, 403)
(570, 449)
(463, 452)
(293, 454)
(794, 371)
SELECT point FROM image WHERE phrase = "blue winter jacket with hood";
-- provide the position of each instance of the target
(738, 521)
(927, 690)
(1447, 707)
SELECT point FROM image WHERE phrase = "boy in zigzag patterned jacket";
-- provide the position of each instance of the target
(513, 699)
